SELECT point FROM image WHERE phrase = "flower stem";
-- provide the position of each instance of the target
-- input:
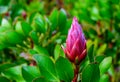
(76, 71)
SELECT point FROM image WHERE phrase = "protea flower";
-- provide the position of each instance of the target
(75, 43)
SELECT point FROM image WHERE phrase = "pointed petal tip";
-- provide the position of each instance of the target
(75, 19)
(83, 55)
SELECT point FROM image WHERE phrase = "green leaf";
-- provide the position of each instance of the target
(95, 46)
(40, 24)
(58, 52)
(32, 17)
(6, 66)
(14, 73)
(18, 28)
(34, 37)
(105, 65)
(111, 71)
(4, 79)
(64, 69)
(26, 28)
(1, 46)
(5, 23)
(53, 19)
(3, 41)
(89, 43)
(104, 78)
(67, 26)
(105, 13)
(91, 73)
(40, 79)
(40, 50)
(0, 20)
(90, 53)
(30, 72)
(62, 18)
(32, 52)
(46, 67)
(99, 59)
(35, 6)
(13, 37)
(92, 33)
(95, 13)
(102, 49)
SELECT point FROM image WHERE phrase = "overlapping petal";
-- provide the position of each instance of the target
(75, 42)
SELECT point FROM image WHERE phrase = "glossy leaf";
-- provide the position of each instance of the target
(67, 26)
(34, 36)
(40, 50)
(30, 72)
(91, 73)
(40, 79)
(5, 66)
(64, 69)
(47, 67)
(13, 37)
(58, 52)
(104, 78)
(99, 59)
(105, 65)
(26, 28)
(4, 79)
(95, 14)
(5, 23)
(90, 53)
(89, 43)
(53, 19)
(14, 73)
(18, 28)
(40, 24)
(101, 49)
(62, 18)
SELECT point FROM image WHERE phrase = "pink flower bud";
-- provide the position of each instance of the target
(76, 43)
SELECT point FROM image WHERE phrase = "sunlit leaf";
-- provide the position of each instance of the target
(30, 72)
(91, 73)
(47, 67)
(105, 65)
(64, 69)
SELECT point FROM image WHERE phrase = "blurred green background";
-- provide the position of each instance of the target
(28, 27)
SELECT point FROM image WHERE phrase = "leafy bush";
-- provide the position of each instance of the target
(32, 32)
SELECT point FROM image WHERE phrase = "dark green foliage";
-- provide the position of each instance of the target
(32, 32)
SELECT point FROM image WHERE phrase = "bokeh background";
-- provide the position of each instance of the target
(41, 26)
